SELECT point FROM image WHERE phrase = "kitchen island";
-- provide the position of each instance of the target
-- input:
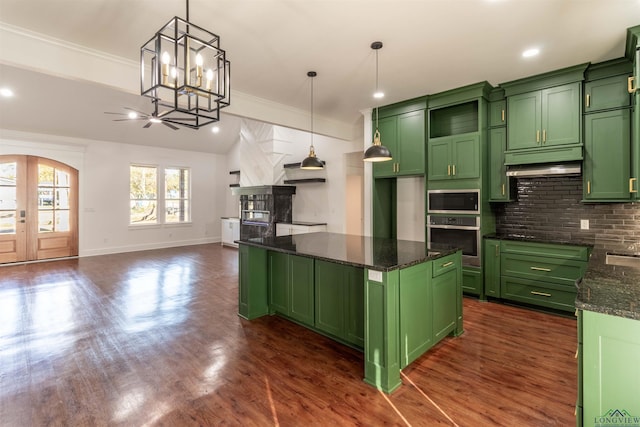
(393, 299)
(608, 309)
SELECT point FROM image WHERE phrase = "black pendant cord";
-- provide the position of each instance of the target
(187, 10)
(312, 74)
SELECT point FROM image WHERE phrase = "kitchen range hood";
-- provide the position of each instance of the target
(545, 169)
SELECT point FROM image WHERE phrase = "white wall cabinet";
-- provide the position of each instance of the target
(230, 231)
(284, 229)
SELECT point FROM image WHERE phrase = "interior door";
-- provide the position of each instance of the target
(38, 209)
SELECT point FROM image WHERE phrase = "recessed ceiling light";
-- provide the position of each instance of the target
(215, 129)
(379, 94)
(530, 52)
(133, 115)
(6, 92)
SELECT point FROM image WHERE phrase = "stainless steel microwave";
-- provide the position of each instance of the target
(453, 201)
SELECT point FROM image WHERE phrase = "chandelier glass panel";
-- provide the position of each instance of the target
(185, 73)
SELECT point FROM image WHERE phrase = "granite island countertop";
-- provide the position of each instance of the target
(609, 289)
(368, 252)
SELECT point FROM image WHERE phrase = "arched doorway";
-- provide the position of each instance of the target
(38, 209)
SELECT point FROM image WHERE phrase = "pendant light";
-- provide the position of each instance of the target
(377, 152)
(312, 162)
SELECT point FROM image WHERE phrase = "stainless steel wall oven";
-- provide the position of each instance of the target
(459, 231)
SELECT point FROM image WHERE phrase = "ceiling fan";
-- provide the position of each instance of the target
(139, 115)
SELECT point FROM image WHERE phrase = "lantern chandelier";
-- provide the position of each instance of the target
(185, 73)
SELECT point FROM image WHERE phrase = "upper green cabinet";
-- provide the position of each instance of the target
(498, 113)
(404, 136)
(607, 152)
(499, 188)
(454, 157)
(543, 118)
(606, 93)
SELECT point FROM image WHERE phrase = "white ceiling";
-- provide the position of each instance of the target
(429, 46)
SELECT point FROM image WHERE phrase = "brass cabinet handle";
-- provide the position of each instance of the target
(544, 136)
(631, 181)
(540, 269)
(448, 170)
(588, 100)
(447, 264)
(631, 86)
(588, 187)
(503, 189)
(542, 294)
(503, 114)
(577, 351)
(537, 136)
(453, 168)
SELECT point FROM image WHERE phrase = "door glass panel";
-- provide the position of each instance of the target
(8, 172)
(45, 198)
(8, 198)
(62, 198)
(62, 179)
(45, 221)
(7, 222)
(45, 176)
(62, 221)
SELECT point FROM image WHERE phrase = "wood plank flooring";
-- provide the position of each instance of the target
(153, 338)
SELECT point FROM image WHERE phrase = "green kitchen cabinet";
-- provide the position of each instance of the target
(498, 113)
(444, 303)
(253, 299)
(291, 286)
(611, 372)
(404, 136)
(492, 268)
(454, 157)
(544, 118)
(603, 94)
(607, 152)
(339, 301)
(499, 183)
(472, 281)
(416, 330)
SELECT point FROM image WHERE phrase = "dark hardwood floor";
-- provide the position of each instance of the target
(152, 338)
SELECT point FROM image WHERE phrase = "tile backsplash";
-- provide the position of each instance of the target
(550, 208)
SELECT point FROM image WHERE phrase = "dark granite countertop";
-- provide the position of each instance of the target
(359, 251)
(609, 289)
(534, 239)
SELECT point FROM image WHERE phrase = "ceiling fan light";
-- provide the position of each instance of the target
(155, 120)
(132, 115)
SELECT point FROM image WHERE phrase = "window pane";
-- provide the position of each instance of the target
(177, 211)
(143, 212)
(7, 222)
(143, 182)
(45, 198)
(45, 221)
(62, 221)
(8, 172)
(62, 179)
(8, 198)
(45, 176)
(62, 198)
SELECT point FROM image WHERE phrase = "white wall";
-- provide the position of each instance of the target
(411, 209)
(104, 190)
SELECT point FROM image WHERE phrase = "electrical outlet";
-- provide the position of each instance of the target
(584, 224)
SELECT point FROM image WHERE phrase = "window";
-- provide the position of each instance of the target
(145, 203)
(176, 185)
(143, 187)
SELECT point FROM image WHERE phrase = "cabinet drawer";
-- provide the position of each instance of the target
(472, 280)
(444, 264)
(538, 293)
(551, 250)
(555, 270)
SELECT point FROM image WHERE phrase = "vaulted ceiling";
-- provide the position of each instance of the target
(429, 46)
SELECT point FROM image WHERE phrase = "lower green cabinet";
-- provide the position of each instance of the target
(416, 329)
(339, 301)
(492, 268)
(444, 304)
(472, 280)
(253, 301)
(611, 369)
(291, 286)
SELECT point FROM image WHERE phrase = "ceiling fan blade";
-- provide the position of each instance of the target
(130, 120)
(120, 114)
(147, 125)
(136, 111)
(170, 125)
